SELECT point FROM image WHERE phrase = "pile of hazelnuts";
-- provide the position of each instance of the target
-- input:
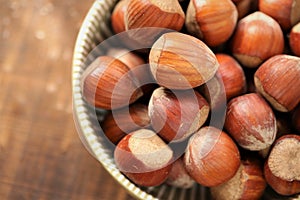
(222, 62)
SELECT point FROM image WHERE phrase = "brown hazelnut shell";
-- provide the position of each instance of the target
(278, 80)
(147, 166)
(251, 122)
(211, 157)
(282, 168)
(107, 83)
(264, 40)
(180, 61)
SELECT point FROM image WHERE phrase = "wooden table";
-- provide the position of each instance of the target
(41, 156)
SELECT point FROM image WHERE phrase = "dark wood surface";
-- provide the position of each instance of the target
(41, 156)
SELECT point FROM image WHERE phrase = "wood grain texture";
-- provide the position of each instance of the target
(41, 156)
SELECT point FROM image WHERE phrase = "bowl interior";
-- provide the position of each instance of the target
(95, 29)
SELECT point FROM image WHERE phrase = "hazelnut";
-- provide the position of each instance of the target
(278, 80)
(166, 14)
(108, 83)
(285, 12)
(214, 92)
(118, 16)
(247, 183)
(144, 158)
(120, 122)
(178, 114)
(257, 38)
(213, 21)
(211, 157)
(251, 122)
(180, 61)
(232, 75)
(129, 58)
(282, 168)
(284, 127)
(137, 66)
(178, 176)
(294, 39)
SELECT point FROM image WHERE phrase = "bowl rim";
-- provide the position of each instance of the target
(81, 118)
